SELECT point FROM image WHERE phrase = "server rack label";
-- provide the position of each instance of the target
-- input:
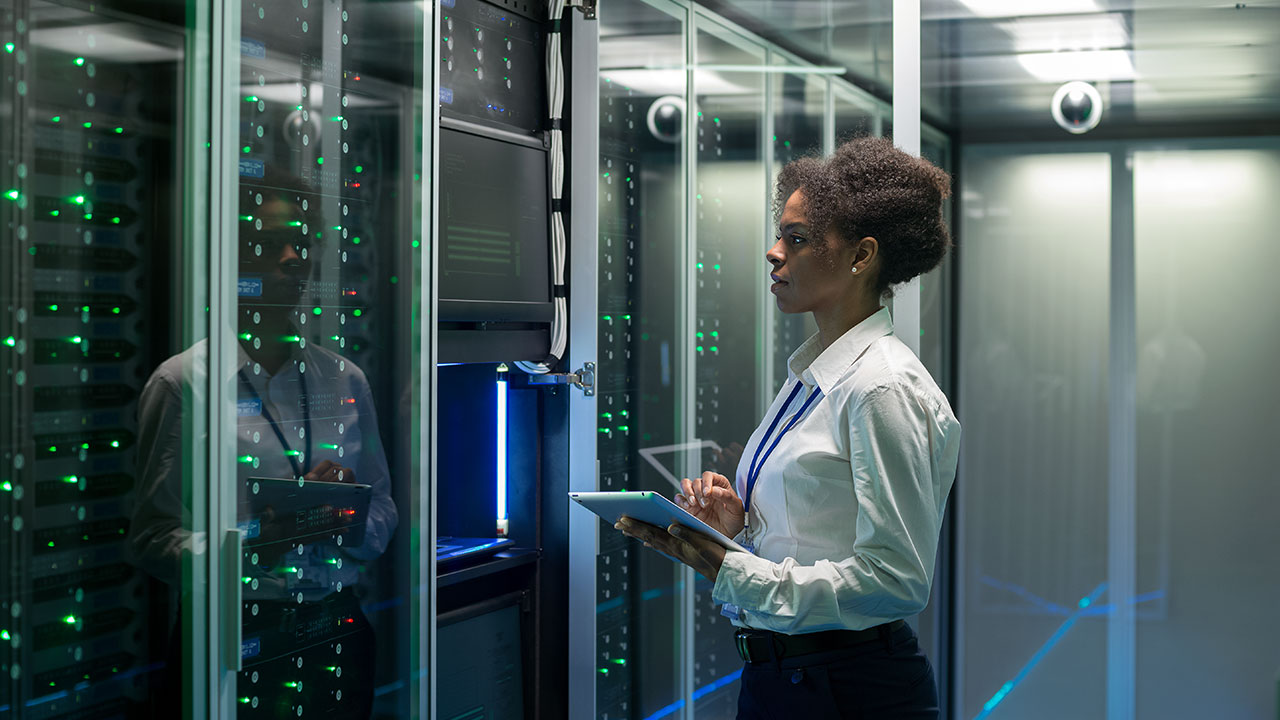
(248, 407)
(252, 48)
(249, 287)
(252, 168)
(251, 648)
(250, 528)
(446, 95)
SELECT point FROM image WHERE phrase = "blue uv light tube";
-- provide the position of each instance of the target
(501, 430)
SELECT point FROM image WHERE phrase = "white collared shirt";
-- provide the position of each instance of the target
(846, 511)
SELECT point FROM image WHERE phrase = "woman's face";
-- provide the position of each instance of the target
(805, 281)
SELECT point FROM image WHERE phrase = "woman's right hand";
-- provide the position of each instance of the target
(712, 499)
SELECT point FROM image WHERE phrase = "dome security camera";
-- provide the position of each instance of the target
(666, 118)
(1077, 107)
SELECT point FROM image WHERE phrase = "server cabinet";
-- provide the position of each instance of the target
(92, 156)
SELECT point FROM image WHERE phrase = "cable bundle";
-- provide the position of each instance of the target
(559, 243)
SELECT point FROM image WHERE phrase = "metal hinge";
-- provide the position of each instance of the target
(584, 379)
(588, 8)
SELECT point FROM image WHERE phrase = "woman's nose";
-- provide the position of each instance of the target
(775, 256)
(289, 257)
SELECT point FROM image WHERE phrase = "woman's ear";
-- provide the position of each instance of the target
(864, 254)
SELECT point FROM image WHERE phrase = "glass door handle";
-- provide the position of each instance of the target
(231, 551)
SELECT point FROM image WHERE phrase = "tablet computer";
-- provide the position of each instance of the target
(303, 511)
(648, 507)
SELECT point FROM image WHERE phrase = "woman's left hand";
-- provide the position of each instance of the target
(688, 546)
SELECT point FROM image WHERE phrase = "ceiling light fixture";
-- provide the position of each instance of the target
(1093, 65)
(1021, 8)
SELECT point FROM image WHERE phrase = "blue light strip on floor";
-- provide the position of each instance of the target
(1008, 687)
(697, 694)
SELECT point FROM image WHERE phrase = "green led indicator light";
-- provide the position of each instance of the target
(78, 199)
(357, 312)
(84, 446)
(295, 223)
(8, 486)
(394, 279)
(620, 661)
(355, 241)
(115, 311)
(627, 180)
(71, 479)
(244, 700)
(115, 443)
(624, 428)
(292, 453)
(319, 161)
(246, 149)
(245, 336)
(328, 446)
(245, 459)
(336, 118)
(291, 684)
(88, 216)
(253, 98)
(290, 338)
(359, 168)
(715, 349)
(416, 243)
(88, 124)
(604, 671)
(119, 131)
(716, 266)
(699, 335)
(79, 62)
(54, 308)
(70, 619)
(10, 341)
(56, 118)
(699, 348)
(316, 311)
(699, 266)
(4, 634)
(8, 47)
(716, 120)
(54, 213)
(115, 221)
(606, 415)
(76, 339)
(12, 194)
(606, 175)
(715, 333)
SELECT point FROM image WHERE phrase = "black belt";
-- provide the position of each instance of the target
(768, 646)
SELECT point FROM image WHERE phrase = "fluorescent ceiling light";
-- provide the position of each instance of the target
(1097, 32)
(1016, 8)
(115, 42)
(1092, 66)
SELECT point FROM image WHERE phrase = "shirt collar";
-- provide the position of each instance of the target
(815, 366)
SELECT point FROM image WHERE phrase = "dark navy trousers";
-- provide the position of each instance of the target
(884, 678)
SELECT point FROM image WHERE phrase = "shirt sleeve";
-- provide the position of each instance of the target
(159, 534)
(897, 439)
(372, 469)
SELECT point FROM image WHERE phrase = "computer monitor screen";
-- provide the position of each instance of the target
(493, 220)
(481, 672)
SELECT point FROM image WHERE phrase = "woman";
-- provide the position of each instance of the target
(840, 491)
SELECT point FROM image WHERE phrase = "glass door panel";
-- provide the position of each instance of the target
(642, 205)
(730, 204)
(1034, 474)
(326, 355)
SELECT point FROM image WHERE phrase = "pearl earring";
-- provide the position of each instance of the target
(855, 269)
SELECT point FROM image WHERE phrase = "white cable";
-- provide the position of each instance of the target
(559, 243)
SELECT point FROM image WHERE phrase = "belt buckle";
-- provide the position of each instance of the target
(744, 650)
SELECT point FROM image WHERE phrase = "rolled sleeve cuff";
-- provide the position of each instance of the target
(742, 581)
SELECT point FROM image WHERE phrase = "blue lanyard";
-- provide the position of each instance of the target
(306, 414)
(757, 462)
